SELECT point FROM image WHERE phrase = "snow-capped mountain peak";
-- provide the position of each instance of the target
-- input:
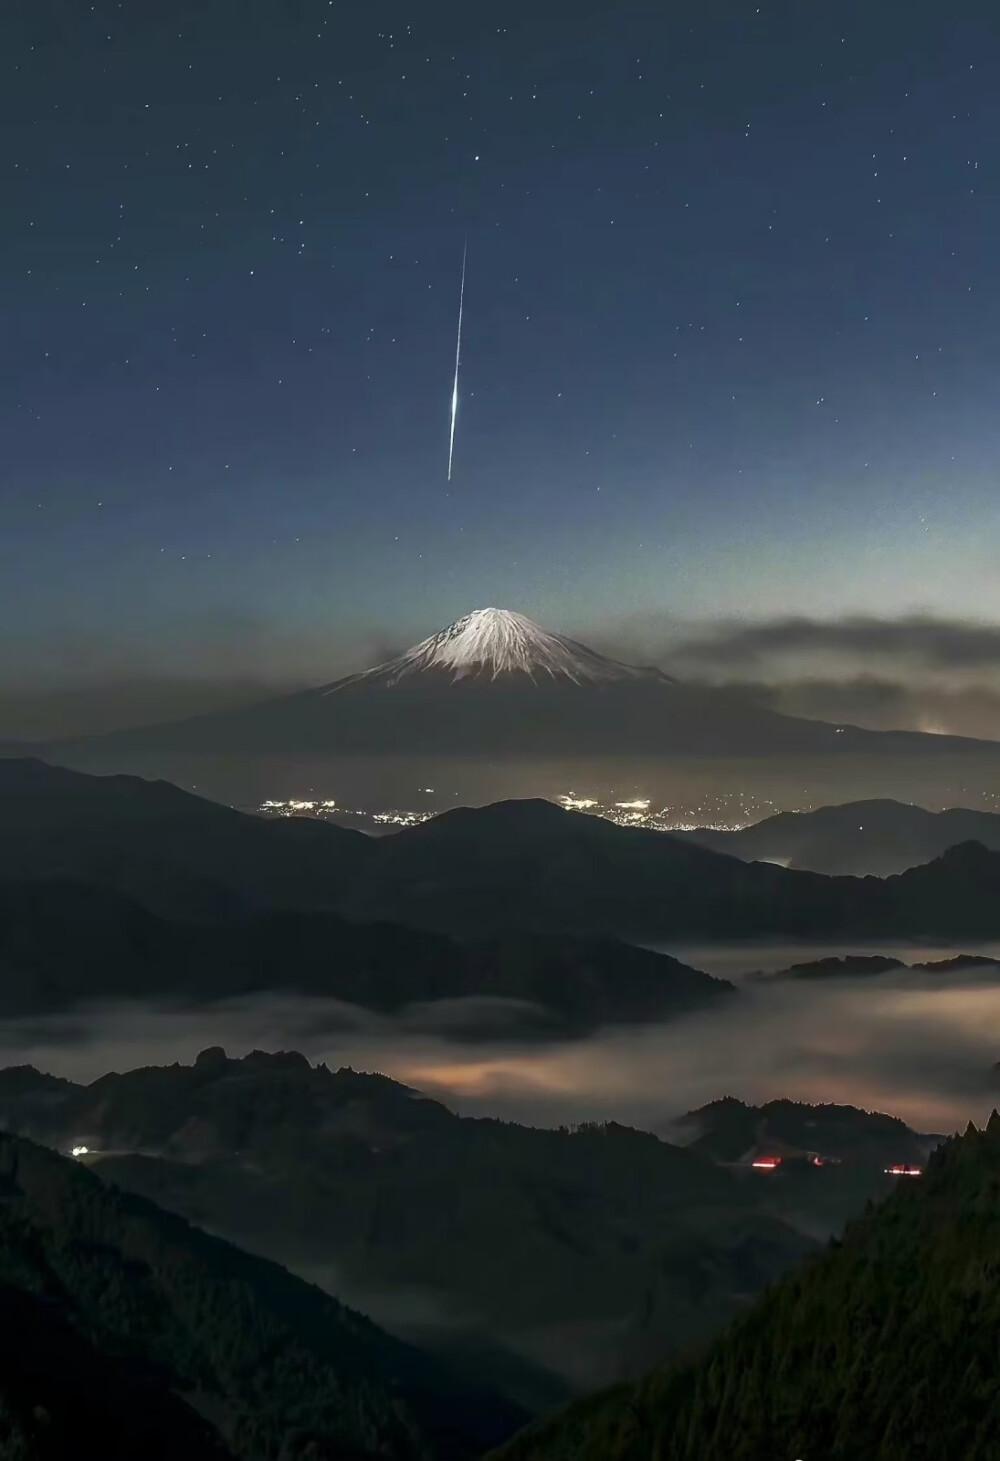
(493, 643)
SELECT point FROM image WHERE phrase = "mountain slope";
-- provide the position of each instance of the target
(62, 1396)
(177, 853)
(63, 944)
(883, 1348)
(477, 872)
(532, 865)
(277, 1367)
(728, 1130)
(496, 683)
(857, 838)
(587, 1254)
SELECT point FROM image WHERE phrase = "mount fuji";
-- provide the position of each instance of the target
(494, 683)
(492, 644)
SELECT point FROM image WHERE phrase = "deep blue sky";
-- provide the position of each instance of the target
(732, 324)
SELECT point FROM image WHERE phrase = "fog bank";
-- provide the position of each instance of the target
(918, 1046)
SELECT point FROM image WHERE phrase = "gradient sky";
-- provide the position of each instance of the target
(732, 320)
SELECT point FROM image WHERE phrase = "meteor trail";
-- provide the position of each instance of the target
(458, 356)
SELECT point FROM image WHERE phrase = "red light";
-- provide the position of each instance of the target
(767, 1164)
(901, 1171)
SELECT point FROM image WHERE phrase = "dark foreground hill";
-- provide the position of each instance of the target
(170, 1343)
(62, 1396)
(551, 1261)
(855, 838)
(882, 1349)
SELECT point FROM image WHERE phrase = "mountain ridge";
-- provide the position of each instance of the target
(882, 1347)
(277, 1366)
(473, 873)
(583, 1250)
(879, 836)
(65, 944)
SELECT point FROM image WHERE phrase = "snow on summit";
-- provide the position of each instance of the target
(493, 643)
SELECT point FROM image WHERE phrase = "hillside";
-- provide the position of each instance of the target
(729, 1130)
(63, 944)
(877, 837)
(177, 854)
(532, 865)
(269, 1364)
(579, 1256)
(62, 1396)
(477, 873)
(881, 1349)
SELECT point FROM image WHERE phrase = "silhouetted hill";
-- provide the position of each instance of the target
(731, 1131)
(869, 966)
(177, 853)
(476, 872)
(66, 943)
(533, 865)
(848, 966)
(130, 1293)
(582, 1255)
(855, 838)
(957, 963)
(882, 1348)
(955, 891)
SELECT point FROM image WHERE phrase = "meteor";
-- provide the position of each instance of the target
(458, 357)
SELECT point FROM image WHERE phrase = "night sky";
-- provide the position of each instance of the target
(731, 339)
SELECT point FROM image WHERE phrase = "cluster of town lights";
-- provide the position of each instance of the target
(721, 814)
(771, 1164)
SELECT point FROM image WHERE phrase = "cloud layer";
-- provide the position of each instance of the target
(916, 673)
(904, 1043)
(919, 642)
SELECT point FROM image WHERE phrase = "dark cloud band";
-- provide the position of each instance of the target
(925, 641)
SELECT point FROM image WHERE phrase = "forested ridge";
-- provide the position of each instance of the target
(277, 1368)
(883, 1348)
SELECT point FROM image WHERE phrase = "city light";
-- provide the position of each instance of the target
(723, 812)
